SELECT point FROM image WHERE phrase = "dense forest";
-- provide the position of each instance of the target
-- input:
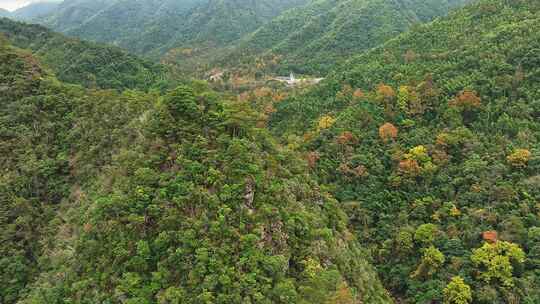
(245, 37)
(80, 62)
(137, 197)
(313, 39)
(431, 144)
(178, 29)
(410, 174)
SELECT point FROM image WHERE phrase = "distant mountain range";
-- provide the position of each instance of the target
(35, 10)
(305, 36)
(153, 27)
(4, 13)
(312, 39)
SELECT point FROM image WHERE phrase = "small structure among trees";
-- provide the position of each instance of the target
(293, 81)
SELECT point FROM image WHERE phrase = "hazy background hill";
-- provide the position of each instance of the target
(153, 27)
(313, 38)
(275, 36)
(35, 11)
(118, 22)
(4, 13)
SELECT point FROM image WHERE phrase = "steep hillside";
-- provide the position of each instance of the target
(304, 36)
(154, 27)
(132, 197)
(36, 10)
(431, 144)
(312, 39)
(118, 22)
(72, 13)
(85, 63)
(33, 175)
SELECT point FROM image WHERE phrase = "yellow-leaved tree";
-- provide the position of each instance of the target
(494, 262)
(326, 122)
(457, 292)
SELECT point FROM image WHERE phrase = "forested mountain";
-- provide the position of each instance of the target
(431, 144)
(410, 174)
(35, 10)
(120, 22)
(85, 63)
(134, 197)
(305, 36)
(154, 27)
(312, 39)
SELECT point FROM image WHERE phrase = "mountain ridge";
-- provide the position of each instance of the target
(191, 22)
(35, 10)
(410, 174)
(331, 30)
(85, 63)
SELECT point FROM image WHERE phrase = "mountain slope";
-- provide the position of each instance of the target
(27, 196)
(72, 13)
(35, 10)
(154, 27)
(81, 62)
(118, 22)
(430, 142)
(133, 197)
(198, 35)
(311, 39)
